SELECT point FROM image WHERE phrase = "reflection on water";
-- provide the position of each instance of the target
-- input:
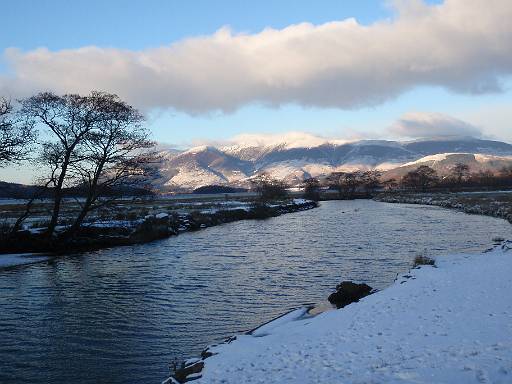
(120, 315)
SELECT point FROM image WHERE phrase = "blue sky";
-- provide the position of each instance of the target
(130, 24)
(139, 26)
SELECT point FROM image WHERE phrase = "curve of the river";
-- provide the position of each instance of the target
(121, 315)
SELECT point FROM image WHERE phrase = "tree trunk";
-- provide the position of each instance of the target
(58, 195)
(80, 218)
(91, 198)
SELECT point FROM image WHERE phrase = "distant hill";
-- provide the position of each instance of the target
(214, 189)
(21, 191)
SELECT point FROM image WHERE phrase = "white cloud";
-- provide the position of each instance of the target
(426, 124)
(494, 118)
(462, 45)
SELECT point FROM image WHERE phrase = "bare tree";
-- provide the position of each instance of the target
(65, 121)
(460, 172)
(347, 183)
(16, 136)
(269, 188)
(312, 189)
(371, 180)
(421, 178)
(336, 182)
(114, 155)
(390, 184)
(506, 172)
(484, 178)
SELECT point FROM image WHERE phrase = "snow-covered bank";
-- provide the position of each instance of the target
(496, 203)
(103, 233)
(450, 324)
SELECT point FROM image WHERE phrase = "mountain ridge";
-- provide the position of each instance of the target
(236, 165)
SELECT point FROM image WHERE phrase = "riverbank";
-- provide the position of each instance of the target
(444, 324)
(495, 204)
(109, 233)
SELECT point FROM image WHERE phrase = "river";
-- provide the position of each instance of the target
(121, 315)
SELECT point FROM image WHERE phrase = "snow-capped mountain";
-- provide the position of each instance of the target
(236, 164)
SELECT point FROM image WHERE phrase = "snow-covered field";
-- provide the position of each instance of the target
(450, 324)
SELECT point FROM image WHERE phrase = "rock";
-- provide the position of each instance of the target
(206, 354)
(348, 292)
(181, 375)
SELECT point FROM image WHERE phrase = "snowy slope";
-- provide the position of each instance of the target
(451, 324)
(443, 163)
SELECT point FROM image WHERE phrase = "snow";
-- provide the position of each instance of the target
(434, 158)
(198, 149)
(449, 324)
(115, 223)
(478, 157)
(270, 327)
(482, 158)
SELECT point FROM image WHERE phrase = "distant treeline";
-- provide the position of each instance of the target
(422, 179)
(213, 189)
(425, 178)
(21, 191)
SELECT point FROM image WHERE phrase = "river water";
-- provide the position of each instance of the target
(121, 315)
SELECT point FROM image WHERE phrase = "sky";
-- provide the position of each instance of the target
(204, 71)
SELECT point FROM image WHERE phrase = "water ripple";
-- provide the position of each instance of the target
(121, 315)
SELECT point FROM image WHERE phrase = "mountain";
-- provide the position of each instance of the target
(235, 165)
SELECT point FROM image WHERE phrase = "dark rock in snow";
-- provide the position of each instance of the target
(348, 292)
(181, 375)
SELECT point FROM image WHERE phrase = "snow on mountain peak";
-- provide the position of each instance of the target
(294, 157)
(286, 140)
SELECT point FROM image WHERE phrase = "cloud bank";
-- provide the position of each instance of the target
(425, 124)
(462, 45)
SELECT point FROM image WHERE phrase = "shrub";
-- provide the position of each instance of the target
(423, 260)
(312, 189)
(269, 189)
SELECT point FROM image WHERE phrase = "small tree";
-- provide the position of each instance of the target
(484, 178)
(390, 184)
(506, 172)
(346, 183)
(312, 189)
(371, 180)
(460, 172)
(420, 179)
(15, 135)
(336, 182)
(269, 188)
